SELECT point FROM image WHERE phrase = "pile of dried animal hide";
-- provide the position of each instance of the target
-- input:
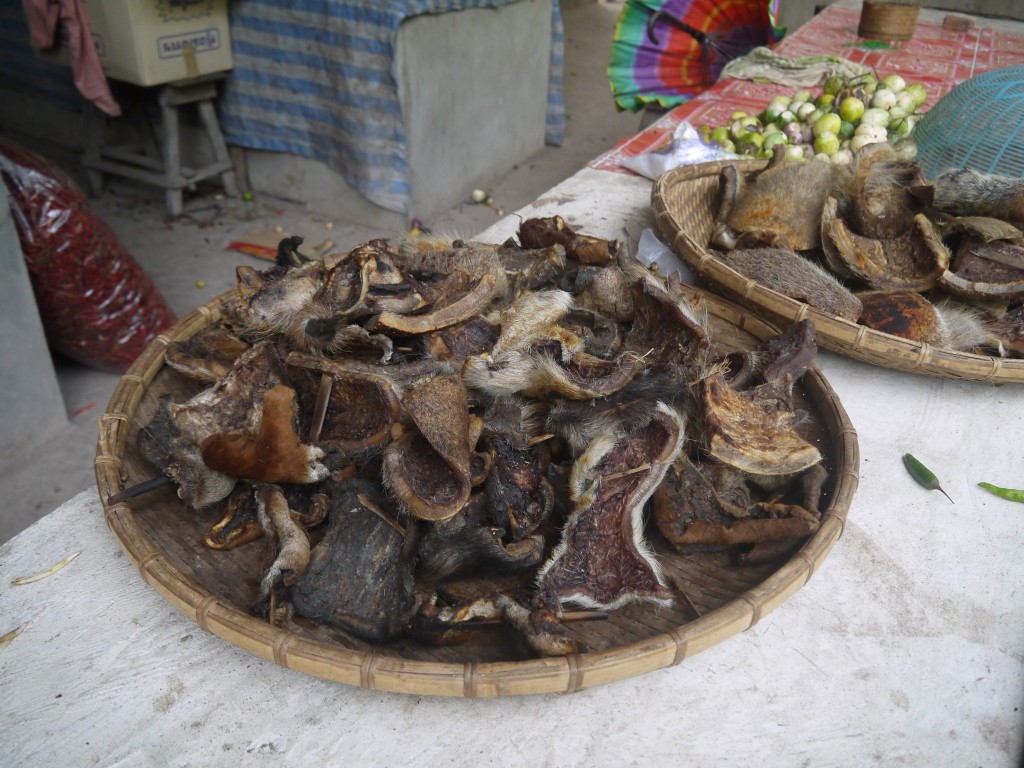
(939, 262)
(404, 415)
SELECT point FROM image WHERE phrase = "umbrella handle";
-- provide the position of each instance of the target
(696, 34)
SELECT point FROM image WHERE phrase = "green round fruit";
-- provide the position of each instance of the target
(795, 153)
(851, 109)
(846, 130)
(833, 85)
(918, 93)
(894, 82)
(750, 143)
(775, 138)
(826, 143)
(829, 123)
(720, 134)
(825, 101)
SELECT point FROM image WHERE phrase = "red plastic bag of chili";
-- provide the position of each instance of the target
(98, 307)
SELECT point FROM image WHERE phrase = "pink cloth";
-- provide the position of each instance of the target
(42, 17)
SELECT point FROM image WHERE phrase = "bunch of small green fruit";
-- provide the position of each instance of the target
(847, 115)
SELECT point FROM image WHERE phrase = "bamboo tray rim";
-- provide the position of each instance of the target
(833, 333)
(377, 670)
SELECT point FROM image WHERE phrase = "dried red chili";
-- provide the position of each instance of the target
(96, 303)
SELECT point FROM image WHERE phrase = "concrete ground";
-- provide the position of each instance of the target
(189, 261)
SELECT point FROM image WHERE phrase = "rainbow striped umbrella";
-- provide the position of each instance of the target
(669, 51)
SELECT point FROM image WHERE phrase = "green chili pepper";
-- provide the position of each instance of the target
(1010, 494)
(924, 476)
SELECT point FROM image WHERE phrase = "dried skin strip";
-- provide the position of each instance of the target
(603, 560)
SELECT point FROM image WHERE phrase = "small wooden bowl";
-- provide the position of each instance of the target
(215, 589)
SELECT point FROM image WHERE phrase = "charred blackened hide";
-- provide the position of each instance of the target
(468, 544)
(360, 575)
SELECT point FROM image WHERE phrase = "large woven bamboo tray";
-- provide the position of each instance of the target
(214, 589)
(685, 202)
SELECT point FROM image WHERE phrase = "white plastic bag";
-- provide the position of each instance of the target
(685, 147)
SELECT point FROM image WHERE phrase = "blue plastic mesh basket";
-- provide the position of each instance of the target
(977, 125)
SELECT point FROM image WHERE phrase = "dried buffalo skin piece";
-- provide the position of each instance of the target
(779, 206)
(755, 439)
(468, 544)
(208, 356)
(362, 406)
(691, 512)
(792, 275)
(360, 575)
(178, 457)
(428, 468)
(603, 559)
(912, 316)
(234, 403)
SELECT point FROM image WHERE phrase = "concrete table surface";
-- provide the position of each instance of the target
(906, 648)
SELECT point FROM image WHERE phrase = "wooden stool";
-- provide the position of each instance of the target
(165, 170)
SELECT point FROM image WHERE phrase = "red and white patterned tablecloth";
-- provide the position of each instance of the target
(936, 57)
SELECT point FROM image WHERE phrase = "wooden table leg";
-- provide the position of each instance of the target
(171, 146)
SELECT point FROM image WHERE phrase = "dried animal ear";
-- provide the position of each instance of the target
(208, 356)
(989, 263)
(529, 269)
(456, 343)
(603, 560)
(428, 468)
(910, 261)
(608, 294)
(542, 376)
(524, 320)
(754, 439)
(459, 309)
(362, 405)
(666, 330)
(250, 281)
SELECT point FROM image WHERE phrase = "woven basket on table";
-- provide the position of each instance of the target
(215, 589)
(685, 202)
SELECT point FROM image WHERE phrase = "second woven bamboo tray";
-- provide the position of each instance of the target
(685, 202)
(215, 589)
